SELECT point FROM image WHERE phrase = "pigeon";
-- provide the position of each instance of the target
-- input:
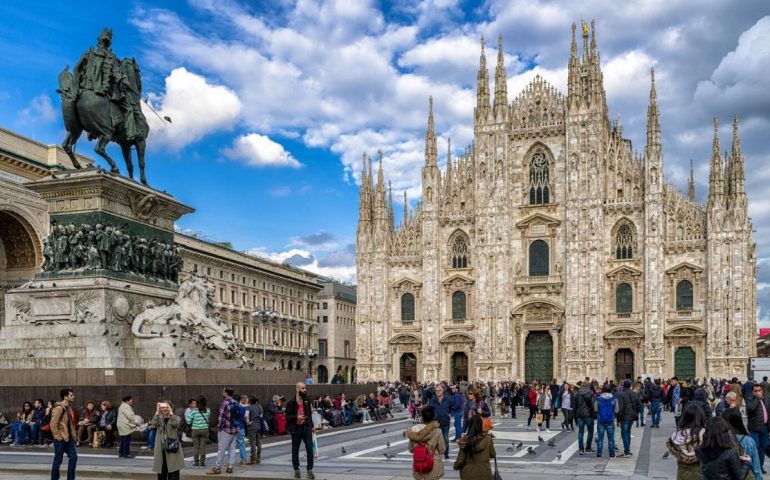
(116, 334)
(182, 355)
(344, 452)
(167, 118)
(184, 364)
(403, 434)
(387, 444)
(30, 355)
(540, 439)
(519, 445)
(509, 449)
(105, 333)
(72, 334)
(665, 454)
(53, 285)
(200, 356)
(558, 455)
(163, 354)
(103, 320)
(174, 344)
(153, 332)
(172, 331)
(389, 455)
(384, 431)
(117, 343)
(128, 286)
(551, 443)
(531, 451)
(172, 336)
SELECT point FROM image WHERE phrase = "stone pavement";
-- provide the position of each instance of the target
(365, 457)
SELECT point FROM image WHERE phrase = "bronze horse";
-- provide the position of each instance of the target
(103, 119)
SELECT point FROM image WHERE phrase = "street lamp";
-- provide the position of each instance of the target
(265, 316)
(307, 355)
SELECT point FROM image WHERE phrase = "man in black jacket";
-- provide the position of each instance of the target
(757, 409)
(628, 410)
(299, 424)
(655, 396)
(584, 414)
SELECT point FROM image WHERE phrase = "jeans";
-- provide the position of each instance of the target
(125, 446)
(655, 410)
(610, 429)
(34, 433)
(762, 441)
(567, 412)
(458, 425)
(348, 416)
(60, 448)
(255, 443)
(199, 437)
(151, 433)
(546, 419)
(240, 440)
(588, 424)
(625, 434)
(445, 431)
(532, 413)
(21, 433)
(640, 417)
(303, 434)
(226, 443)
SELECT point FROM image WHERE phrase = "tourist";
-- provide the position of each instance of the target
(717, 454)
(553, 388)
(298, 414)
(442, 405)
(606, 408)
(360, 409)
(243, 420)
(127, 424)
(734, 418)
(374, 407)
(64, 434)
(544, 408)
(309, 379)
(628, 404)
(458, 410)
(198, 420)
(429, 434)
(475, 406)
(21, 428)
(474, 452)
(273, 407)
(700, 397)
(584, 416)
(89, 420)
(254, 429)
(108, 420)
(729, 401)
(45, 429)
(38, 412)
(757, 414)
(533, 397)
(683, 442)
(655, 395)
(567, 399)
(168, 458)
(641, 391)
(227, 432)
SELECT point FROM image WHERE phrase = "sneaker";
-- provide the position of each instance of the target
(144, 447)
(196, 464)
(229, 470)
(548, 430)
(310, 475)
(297, 474)
(214, 471)
(242, 463)
(629, 454)
(622, 455)
(581, 453)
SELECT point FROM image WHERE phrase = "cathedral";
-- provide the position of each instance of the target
(549, 248)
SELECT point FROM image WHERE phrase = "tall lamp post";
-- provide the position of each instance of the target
(307, 355)
(265, 316)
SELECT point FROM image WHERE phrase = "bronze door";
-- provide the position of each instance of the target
(684, 362)
(538, 357)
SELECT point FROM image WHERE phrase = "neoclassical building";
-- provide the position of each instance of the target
(550, 248)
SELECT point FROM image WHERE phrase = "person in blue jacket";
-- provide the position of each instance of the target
(443, 405)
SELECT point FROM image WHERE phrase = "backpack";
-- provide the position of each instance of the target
(422, 459)
(237, 414)
(606, 409)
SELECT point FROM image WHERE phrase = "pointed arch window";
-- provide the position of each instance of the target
(458, 305)
(407, 307)
(460, 251)
(539, 190)
(624, 243)
(538, 259)
(624, 302)
(684, 296)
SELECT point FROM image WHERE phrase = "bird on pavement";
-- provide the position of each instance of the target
(519, 445)
(72, 334)
(558, 455)
(105, 333)
(665, 454)
(387, 444)
(389, 455)
(403, 434)
(551, 443)
(384, 431)
(344, 452)
(540, 439)
(531, 451)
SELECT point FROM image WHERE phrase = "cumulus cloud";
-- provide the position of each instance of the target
(336, 268)
(320, 239)
(195, 106)
(39, 109)
(260, 151)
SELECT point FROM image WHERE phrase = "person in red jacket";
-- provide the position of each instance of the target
(534, 395)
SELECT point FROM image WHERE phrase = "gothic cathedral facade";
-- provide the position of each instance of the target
(549, 248)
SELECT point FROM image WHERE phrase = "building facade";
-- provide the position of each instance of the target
(549, 248)
(284, 339)
(336, 331)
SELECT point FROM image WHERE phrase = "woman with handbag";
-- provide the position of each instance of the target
(477, 406)
(476, 448)
(168, 458)
(544, 404)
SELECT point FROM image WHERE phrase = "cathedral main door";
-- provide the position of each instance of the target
(684, 362)
(459, 367)
(538, 357)
(624, 364)
(408, 368)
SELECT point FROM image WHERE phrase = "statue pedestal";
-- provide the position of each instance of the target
(109, 257)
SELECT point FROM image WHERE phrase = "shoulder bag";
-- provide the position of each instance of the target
(497, 475)
(172, 443)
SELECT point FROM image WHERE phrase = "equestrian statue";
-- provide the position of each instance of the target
(101, 96)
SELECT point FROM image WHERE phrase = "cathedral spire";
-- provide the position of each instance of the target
(738, 174)
(406, 210)
(390, 206)
(501, 79)
(691, 184)
(585, 41)
(449, 164)
(430, 138)
(593, 41)
(482, 85)
(573, 56)
(380, 174)
(716, 185)
(653, 114)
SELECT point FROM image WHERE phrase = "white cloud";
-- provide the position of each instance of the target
(309, 261)
(39, 109)
(195, 106)
(259, 151)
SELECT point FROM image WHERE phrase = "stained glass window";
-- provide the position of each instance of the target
(538, 259)
(460, 252)
(624, 302)
(539, 192)
(407, 307)
(624, 243)
(684, 296)
(458, 305)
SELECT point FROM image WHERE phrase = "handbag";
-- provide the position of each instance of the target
(172, 443)
(497, 475)
(487, 424)
(539, 418)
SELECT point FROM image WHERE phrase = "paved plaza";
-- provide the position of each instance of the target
(366, 448)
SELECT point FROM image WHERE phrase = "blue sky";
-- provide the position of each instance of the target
(274, 103)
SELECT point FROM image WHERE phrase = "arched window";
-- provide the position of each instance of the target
(538, 259)
(624, 243)
(539, 191)
(407, 307)
(323, 374)
(460, 252)
(684, 296)
(624, 302)
(458, 305)
(291, 365)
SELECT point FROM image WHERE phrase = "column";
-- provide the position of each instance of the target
(522, 352)
(555, 340)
